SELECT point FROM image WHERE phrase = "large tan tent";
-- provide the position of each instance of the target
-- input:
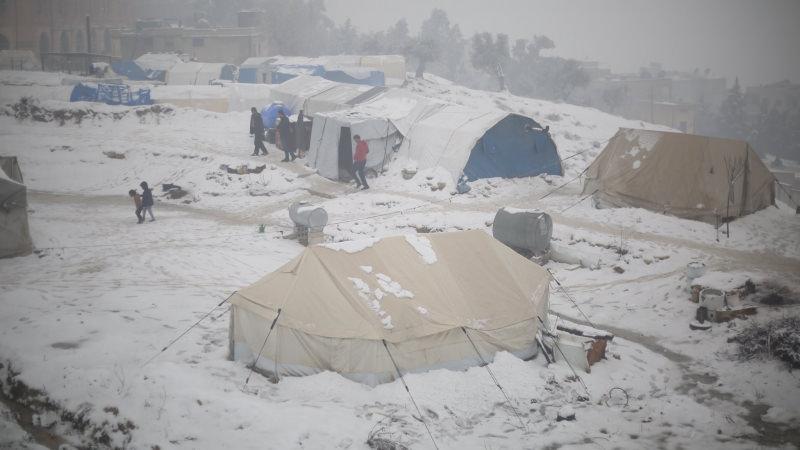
(695, 177)
(15, 238)
(340, 302)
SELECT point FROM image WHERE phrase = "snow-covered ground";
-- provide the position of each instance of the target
(80, 318)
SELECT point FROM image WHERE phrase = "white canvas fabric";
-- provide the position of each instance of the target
(158, 61)
(446, 136)
(194, 73)
(380, 121)
(295, 93)
(339, 303)
(323, 153)
(15, 236)
(685, 175)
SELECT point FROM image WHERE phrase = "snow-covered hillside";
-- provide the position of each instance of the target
(102, 295)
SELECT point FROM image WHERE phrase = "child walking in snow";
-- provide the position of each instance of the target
(147, 201)
(137, 201)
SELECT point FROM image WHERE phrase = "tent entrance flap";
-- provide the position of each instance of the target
(345, 155)
(515, 147)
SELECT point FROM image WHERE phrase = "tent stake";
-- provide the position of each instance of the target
(253, 367)
(187, 330)
(422, 418)
(494, 379)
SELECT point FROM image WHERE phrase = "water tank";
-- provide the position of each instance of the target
(528, 230)
(308, 216)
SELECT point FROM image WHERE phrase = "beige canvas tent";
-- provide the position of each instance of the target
(15, 238)
(340, 302)
(695, 177)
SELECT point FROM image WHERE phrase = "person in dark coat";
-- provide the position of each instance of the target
(147, 201)
(301, 137)
(257, 130)
(287, 136)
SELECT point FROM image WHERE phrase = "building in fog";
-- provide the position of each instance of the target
(653, 95)
(44, 26)
(781, 96)
(209, 44)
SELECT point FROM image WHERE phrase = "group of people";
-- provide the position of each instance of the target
(291, 136)
(143, 202)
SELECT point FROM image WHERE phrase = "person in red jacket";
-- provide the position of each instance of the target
(360, 162)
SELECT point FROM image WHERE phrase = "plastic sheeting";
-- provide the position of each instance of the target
(355, 75)
(447, 137)
(269, 114)
(514, 147)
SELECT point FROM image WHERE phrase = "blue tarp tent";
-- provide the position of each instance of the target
(285, 72)
(355, 75)
(255, 70)
(129, 69)
(133, 71)
(515, 147)
(480, 143)
(110, 94)
(269, 114)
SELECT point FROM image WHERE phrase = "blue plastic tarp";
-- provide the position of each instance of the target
(129, 69)
(248, 75)
(110, 94)
(284, 72)
(515, 147)
(269, 114)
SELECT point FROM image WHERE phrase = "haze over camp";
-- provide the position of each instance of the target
(280, 224)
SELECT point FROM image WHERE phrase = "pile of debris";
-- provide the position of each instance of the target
(28, 108)
(779, 338)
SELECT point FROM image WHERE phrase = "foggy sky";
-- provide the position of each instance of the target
(756, 40)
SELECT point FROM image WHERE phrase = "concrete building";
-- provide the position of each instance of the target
(59, 26)
(209, 44)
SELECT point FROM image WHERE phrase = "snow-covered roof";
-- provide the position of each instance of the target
(158, 61)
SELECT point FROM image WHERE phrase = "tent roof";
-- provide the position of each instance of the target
(401, 287)
(158, 61)
(255, 61)
(446, 135)
(681, 174)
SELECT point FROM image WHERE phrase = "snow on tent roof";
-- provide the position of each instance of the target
(447, 135)
(255, 61)
(337, 307)
(680, 174)
(296, 91)
(158, 61)
(337, 97)
(481, 143)
(315, 95)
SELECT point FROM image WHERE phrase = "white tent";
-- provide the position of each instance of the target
(381, 121)
(423, 299)
(158, 61)
(316, 95)
(209, 98)
(295, 92)
(447, 135)
(196, 73)
(339, 97)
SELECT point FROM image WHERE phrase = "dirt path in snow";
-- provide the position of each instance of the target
(698, 382)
